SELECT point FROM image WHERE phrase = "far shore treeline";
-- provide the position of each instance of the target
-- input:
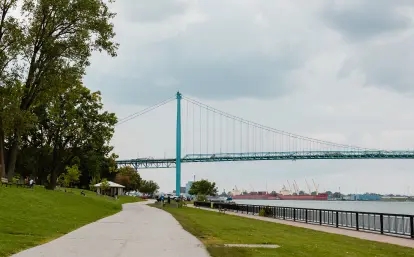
(49, 120)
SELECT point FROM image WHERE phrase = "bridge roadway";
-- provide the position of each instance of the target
(148, 163)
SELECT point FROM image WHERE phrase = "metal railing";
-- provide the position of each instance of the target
(384, 223)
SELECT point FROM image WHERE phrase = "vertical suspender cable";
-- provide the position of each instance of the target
(186, 130)
(241, 137)
(234, 135)
(207, 130)
(214, 132)
(193, 126)
(221, 134)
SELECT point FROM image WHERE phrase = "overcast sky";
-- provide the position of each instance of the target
(333, 70)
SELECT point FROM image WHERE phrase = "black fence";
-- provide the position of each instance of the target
(384, 223)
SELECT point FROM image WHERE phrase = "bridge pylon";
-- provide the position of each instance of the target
(178, 147)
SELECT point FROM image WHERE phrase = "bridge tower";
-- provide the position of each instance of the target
(178, 148)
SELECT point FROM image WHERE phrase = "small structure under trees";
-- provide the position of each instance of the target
(109, 188)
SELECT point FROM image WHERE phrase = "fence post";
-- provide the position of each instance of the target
(337, 219)
(382, 223)
(412, 226)
(357, 220)
(284, 213)
(306, 215)
(294, 214)
(320, 217)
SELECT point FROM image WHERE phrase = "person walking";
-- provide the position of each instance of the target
(162, 200)
(31, 183)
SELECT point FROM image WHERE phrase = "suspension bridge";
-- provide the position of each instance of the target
(217, 136)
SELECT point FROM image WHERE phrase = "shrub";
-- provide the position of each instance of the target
(201, 198)
(266, 212)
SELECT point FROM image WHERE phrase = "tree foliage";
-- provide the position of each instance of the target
(148, 187)
(72, 174)
(128, 177)
(104, 186)
(203, 187)
(45, 48)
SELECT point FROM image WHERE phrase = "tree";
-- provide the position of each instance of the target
(128, 177)
(72, 174)
(92, 183)
(10, 43)
(314, 193)
(203, 187)
(148, 187)
(301, 192)
(59, 38)
(104, 186)
(72, 125)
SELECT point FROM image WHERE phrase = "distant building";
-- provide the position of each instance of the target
(365, 197)
(188, 187)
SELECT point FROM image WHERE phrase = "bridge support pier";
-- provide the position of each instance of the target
(178, 148)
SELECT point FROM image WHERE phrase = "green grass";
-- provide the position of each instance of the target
(215, 229)
(32, 217)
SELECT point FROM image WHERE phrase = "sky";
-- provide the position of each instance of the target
(331, 70)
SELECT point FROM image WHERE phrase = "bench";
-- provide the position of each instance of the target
(5, 182)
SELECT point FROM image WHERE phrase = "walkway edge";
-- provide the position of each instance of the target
(357, 234)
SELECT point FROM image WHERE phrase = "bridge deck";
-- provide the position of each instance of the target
(146, 163)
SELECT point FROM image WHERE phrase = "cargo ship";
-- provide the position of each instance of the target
(283, 194)
(258, 196)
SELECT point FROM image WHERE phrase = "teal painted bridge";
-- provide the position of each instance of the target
(150, 163)
(212, 135)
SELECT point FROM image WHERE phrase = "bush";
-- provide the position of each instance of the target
(266, 212)
(201, 198)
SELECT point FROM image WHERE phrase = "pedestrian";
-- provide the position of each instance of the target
(31, 183)
(162, 200)
(169, 199)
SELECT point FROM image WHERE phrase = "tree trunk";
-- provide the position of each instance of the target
(55, 167)
(12, 158)
(2, 162)
(53, 178)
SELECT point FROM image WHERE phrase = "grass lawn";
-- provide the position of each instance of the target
(32, 217)
(215, 229)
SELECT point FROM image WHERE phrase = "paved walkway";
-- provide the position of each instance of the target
(346, 232)
(138, 230)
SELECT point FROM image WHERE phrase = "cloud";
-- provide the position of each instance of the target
(378, 36)
(362, 19)
(150, 11)
(209, 50)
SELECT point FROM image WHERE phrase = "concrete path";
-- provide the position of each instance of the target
(138, 230)
(347, 232)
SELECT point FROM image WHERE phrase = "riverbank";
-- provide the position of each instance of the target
(32, 217)
(216, 229)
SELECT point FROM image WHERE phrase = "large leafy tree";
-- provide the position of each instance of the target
(72, 125)
(203, 187)
(59, 38)
(148, 187)
(10, 45)
(128, 177)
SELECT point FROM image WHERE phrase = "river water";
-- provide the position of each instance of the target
(362, 206)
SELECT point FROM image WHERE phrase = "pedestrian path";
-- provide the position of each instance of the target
(352, 233)
(138, 230)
